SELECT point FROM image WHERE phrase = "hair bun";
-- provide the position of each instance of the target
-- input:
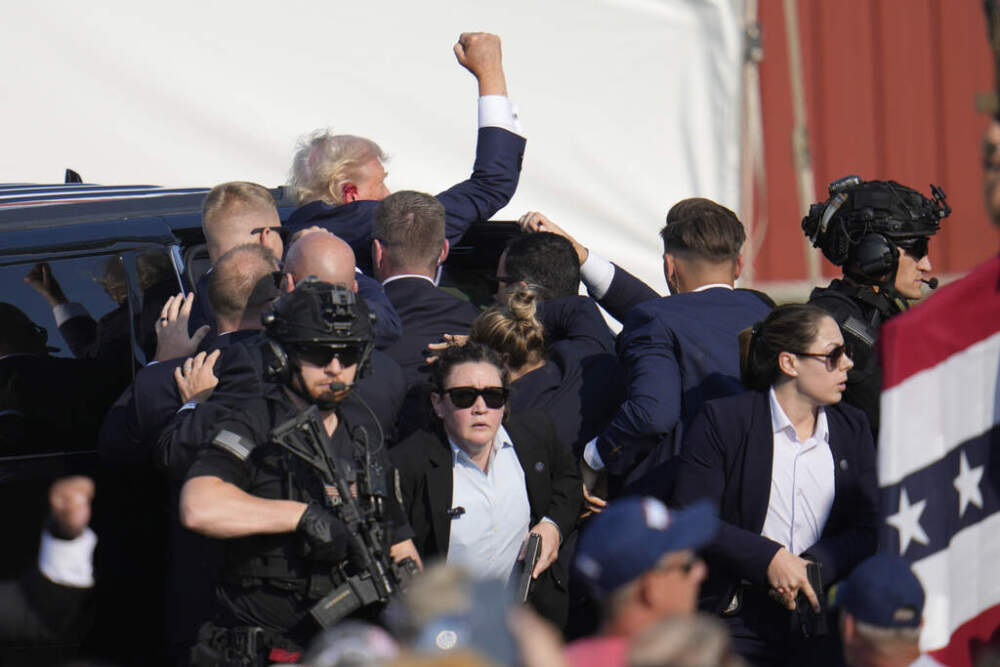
(523, 302)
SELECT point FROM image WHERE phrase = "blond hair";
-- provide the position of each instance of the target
(324, 162)
(512, 329)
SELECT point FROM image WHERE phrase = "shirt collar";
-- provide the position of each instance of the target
(408, 275)
(709, 286)
(780, 421)
(500, 441)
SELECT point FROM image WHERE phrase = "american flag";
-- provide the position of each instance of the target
(939, 459)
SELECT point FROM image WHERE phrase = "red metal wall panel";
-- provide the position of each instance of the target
(890, 88)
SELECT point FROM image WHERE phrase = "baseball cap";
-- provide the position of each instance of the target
(884, 592)
(632, 534)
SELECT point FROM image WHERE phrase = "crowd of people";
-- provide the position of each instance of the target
(352, 465)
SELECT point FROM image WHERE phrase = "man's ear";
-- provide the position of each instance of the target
(847, 627)
(289, 282)
(354, 286)
(349, 192)
(378, 252)
(445, 247)
(739, 267)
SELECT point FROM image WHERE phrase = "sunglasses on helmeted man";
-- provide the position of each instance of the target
(464, 397)
(915, 248)
(322, 355)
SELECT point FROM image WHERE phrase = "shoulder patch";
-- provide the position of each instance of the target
(234, 444)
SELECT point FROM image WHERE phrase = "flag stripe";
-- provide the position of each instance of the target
(959, 583)
(932, 411)
(968, 637)
(935, 484)
(957, 316)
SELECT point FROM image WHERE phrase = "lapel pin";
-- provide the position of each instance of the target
(843, 464)
(539, 466)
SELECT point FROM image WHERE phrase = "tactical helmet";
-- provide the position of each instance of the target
(318, 314)
(862, 223)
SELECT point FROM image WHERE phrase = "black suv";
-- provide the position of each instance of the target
(112, 254)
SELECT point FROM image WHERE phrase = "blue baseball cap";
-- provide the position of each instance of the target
(884, 592)
(631, 536)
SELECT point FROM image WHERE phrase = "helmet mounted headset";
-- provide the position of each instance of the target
(316, 322)
(864, 223)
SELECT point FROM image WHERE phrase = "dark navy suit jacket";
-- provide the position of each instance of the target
(492, 184)
(679, 351)
(727, 456)
(427, 312)
(134, 422)
(582, 383)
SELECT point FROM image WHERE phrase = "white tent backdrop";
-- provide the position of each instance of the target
(628, 105)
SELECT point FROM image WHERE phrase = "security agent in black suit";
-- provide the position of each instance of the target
(469, 397)
(792, 469)
(878, 232)
(408, 247)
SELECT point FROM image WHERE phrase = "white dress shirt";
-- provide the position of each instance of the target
(486, 538)
(802, 482)
(68, 562)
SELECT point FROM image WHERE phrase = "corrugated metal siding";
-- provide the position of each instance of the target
(891, 88)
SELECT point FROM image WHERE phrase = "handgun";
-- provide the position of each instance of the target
(813, 624)
(531, 553)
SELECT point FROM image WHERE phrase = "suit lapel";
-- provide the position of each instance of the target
(535, 474)
(758, 459)
(440, 484)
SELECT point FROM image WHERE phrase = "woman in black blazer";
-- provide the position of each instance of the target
(515, 475)
(793, 472)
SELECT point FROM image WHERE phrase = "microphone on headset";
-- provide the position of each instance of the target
(931, 283)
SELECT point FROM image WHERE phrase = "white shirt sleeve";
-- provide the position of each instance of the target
(67, 311)
(499, 111)
(68, 562)
(592, 457)
(597, 274)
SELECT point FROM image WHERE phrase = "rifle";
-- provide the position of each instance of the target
(304, 436)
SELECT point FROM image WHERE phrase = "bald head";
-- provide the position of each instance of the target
(230, 214)
(323, 255)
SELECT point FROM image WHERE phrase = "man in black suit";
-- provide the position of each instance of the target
(239, 289)
(340, 178)
(408, 246)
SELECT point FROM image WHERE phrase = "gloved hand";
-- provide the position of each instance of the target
(326, 535)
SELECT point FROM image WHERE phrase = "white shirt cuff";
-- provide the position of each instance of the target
(68, 562)
(592, 457)
(190, 405)
(499, 111)
(67, 311)
(597, 274)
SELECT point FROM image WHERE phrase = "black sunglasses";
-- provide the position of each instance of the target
(915, 248)
(322, 355)
(464, 397)
(832, 357)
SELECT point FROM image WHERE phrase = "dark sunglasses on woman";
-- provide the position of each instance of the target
(464, 397)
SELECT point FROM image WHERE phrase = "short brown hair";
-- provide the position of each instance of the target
(234, 278)
(699, 228)
(411, 227)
